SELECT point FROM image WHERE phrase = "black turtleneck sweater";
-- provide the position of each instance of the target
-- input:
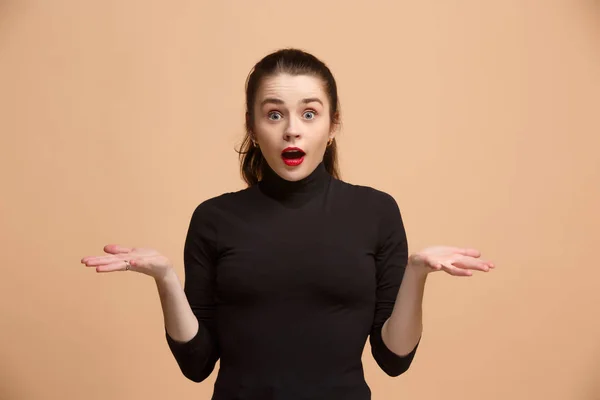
(287, 280)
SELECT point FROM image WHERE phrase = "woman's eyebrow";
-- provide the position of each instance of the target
(273, 100)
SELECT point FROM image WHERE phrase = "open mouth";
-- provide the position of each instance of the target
(292, 154)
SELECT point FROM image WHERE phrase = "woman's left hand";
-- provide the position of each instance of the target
(456, 261)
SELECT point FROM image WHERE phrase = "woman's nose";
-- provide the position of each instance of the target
(290, 135)
(293, 129)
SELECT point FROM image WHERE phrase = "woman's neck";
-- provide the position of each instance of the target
(294, 193)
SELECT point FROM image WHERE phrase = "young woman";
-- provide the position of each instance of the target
(286, 279)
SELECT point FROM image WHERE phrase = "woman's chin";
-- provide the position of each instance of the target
(292, 171)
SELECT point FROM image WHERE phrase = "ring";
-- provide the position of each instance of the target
(127, 265)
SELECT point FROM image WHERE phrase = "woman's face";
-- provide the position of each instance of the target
(292, 112)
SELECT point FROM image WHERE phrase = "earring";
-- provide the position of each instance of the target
(329, 142)
(254, 143)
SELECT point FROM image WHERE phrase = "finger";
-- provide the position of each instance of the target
(452, 270)
(471, 263)
(94, 261)
(435, 266)
(116, 249)
(467, 251)
(112, 267)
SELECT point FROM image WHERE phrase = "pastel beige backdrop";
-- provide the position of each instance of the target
(481, 118)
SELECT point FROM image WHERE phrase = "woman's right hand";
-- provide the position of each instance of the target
(143, 260)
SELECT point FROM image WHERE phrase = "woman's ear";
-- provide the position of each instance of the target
(334, 130)
(335, 123)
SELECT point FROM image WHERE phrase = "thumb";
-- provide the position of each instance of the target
(468, 252)
(116, 249)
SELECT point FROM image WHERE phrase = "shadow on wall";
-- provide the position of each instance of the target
(10, 389)
(9, 11)
(594, 375)
(595, 7)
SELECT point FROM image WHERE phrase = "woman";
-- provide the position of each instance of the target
(286, 279)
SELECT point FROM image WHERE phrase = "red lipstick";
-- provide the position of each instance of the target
(292, 156)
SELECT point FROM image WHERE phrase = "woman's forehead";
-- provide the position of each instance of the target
(292, 88)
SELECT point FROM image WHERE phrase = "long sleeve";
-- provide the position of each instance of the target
(288, 280)
(391, 260)
(197, 357)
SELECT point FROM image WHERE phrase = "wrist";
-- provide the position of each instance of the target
(167, 277)
(416, 272)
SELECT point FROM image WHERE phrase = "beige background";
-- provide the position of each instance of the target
(481, 118)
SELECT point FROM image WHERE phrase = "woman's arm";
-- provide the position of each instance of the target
(391, 258)
(180, 322)
(402, 330)
(189, 311)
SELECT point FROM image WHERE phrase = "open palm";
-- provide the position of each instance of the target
(144, 260)
(455, 261)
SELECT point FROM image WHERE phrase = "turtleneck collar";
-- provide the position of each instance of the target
(294, 193)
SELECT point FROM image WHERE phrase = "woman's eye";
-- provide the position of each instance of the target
(274, 114)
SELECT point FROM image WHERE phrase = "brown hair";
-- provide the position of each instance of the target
(295, 62)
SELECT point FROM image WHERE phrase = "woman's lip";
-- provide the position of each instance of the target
(293, 162)
(293, 149)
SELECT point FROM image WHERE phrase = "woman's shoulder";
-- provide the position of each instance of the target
(365, 193)
(222, 201)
